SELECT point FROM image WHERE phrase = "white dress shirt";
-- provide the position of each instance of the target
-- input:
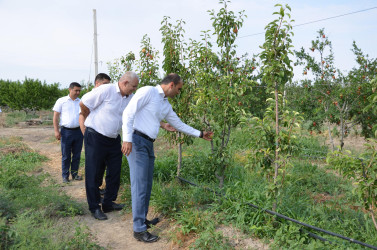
(69, 111)
(106, 106)
(146, 110)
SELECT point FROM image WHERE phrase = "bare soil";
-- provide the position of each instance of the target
(351, 142)
(116, 232)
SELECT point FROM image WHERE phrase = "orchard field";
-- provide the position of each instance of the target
(304, 149)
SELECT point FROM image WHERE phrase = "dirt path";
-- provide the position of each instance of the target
(114, 233)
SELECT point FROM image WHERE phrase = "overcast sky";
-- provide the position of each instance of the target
(52, 40)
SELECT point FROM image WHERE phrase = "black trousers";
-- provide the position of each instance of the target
(101, 151)
(71, 144)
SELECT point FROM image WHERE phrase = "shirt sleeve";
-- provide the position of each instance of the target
(173, 119)
(139, 100)
(95, 97)
(58, 106)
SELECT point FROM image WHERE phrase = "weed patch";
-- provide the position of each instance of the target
(310, 194)
(29, 210)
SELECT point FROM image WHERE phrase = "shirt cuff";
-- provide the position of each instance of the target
(197, 133)
(127, 138)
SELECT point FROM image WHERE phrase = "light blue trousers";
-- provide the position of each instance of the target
(141, 162)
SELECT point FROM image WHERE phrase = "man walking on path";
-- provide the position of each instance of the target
(66, 114)
(141, 122)
(102, 110)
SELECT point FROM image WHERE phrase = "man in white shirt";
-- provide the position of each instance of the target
(66, 114)
(102, 109)
(100, 79)
(141, 122)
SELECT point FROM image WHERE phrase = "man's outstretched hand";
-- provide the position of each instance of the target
(207, 135)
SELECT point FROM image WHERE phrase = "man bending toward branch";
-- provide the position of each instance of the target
(141, 122)
(100, 79)
(102, 110)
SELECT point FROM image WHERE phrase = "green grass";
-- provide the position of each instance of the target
(18, 116)
(15, 117)
(32, 206)
(310, 194)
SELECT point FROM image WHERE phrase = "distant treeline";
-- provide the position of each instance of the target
(30, 94)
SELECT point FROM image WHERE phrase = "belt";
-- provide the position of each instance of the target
(71, 128)
(90, 130)
(144, 136)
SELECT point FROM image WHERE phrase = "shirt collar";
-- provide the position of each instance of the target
(117, 87)
(69, 98)
(161, 91)
(118, 91)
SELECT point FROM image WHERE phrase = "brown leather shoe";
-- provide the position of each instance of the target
(146, 237)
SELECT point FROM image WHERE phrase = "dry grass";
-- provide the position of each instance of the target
(12, 145)
(239, 240)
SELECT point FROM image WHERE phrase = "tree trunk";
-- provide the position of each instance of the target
(220, 177)
(330, 137)
(328, 126)
(276, 144)
(372, 215)
(179, 154)
(342, 132)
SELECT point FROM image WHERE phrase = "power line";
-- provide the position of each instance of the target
(319, 20)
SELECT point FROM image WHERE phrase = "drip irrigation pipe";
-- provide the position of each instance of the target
(290, 219)
(313, 235)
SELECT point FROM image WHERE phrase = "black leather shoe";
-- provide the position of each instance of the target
(114, 207)
(77, 178)
(146, 237)
(65, 180)
(153, 222)
(99, 215)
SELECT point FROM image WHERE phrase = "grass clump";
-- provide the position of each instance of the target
(18, 116)
(29, 211)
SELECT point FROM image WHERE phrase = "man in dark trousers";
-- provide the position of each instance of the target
(102, 110)
(100, 79)
(141, 122)
(66, 114)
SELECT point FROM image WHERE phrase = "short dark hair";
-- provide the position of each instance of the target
(101, 77)
(74, 84)
(172, 77)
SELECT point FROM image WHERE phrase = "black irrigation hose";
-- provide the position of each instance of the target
(303, 231)
(290, 219)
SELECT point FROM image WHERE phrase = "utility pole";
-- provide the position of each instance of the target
(95, 43)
